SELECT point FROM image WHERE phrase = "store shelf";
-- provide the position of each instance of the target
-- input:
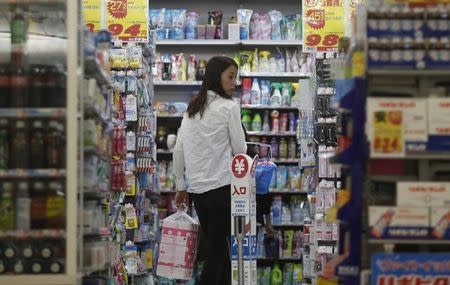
(93, 69)
(391, 178)
(275, 74)
(288, 192)
(271, 42)
(226, 42)
(286, 161)
(410, 241)
(409, 72)
(39, 279)
(33, 234)
(270, 134)
(428, 155)
(32, 173)
(262, 107)
(295, 259)
(176, 83)
(32, 112)
(164, 151)
(170, 116)
(288, 225)
(35, 2)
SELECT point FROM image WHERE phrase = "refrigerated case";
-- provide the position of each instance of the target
(39, 84)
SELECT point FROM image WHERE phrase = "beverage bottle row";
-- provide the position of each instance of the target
(36, 86)
(31, 144)
(32, 205)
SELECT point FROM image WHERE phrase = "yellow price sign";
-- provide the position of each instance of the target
(92, 14)
(324, 24)
(128, 19)
(388, 134)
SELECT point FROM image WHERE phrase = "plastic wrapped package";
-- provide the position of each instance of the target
(275, 19)
(265, 27)
(190, 29)
(288, 27)
(244, 16)
(178, 19)
(178, 246)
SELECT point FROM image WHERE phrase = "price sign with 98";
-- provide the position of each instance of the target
(324, 24)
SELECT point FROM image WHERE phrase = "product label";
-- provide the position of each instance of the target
(128, 19)
(423, 194)
(399, 222)
(92, 14)
(439, 116)
(131, 108)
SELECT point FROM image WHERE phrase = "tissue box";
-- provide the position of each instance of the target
(439, 124)
(423, 194)
(399, 222)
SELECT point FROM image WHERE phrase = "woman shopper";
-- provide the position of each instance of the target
(209, 136)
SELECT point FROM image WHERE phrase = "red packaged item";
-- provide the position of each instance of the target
(178, 248)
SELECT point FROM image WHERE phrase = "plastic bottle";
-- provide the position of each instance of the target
(4, 144)
(265, 92)
(274, 148)
(52, 144)
(246, 91)
(266, 123)
(255, 93)
(246, 120)
(275, 100)
(283, 151)
(292, 149)
(19, 146)
(285, 95)
(23, 204)
(295, 99)
(275, 121)
(277, 276)
(264, 61)
(292, 122)
(191, 68)
(7, 208)
(283, 122)
(263, 150)
(37, 146)
(257, 123)
(4, 86)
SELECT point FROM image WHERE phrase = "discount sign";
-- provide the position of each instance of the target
(324, 24)
(124, 19)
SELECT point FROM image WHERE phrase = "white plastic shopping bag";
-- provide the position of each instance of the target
(178, 247)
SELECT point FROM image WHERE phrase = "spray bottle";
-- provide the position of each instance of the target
(265, 92)
(286, 94)
(275, 100)
(255, 93)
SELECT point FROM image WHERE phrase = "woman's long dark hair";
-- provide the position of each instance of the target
(214, 69)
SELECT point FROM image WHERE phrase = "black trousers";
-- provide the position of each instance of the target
(214, 210)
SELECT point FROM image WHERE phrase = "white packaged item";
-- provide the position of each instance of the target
(233, 32)
(178, 247)
(423, 194)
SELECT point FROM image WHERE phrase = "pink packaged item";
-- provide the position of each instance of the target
(265, 27)
(254, 27)
(178, 247)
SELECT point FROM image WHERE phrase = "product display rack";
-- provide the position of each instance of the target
(63, 117)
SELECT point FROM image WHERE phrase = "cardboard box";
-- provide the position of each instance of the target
(423, 194)
(439, 124)
(414, 119)
(440, 223)
(399, 222)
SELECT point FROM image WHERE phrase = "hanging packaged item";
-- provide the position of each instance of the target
(178, 246)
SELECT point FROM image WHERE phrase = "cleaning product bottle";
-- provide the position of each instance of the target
(263, 150)
(255, 93)
(266, 124)
(246, 120)
(264, 61)
(23, 206)
(274, 148)
(265, 92)
(283, 151)
(255, 61)
(7, 207)
(246, 91)
(292, 122)
(275, 100)
(257, 123)
(292, 149)
(285, 95)
(277, 276)
(275, 121)
(295, 99)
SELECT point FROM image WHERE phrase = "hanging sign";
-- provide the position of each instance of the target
(324, 24)
(125, 19)
(128, 19)
(92, 14)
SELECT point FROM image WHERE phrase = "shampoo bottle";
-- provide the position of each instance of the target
(255, 93)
